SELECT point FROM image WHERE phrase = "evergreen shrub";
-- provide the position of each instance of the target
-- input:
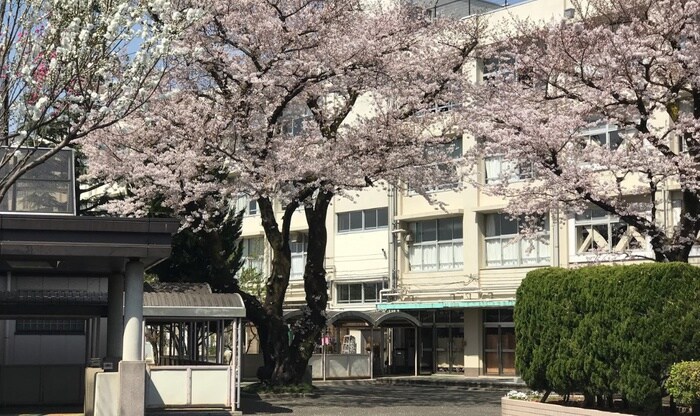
(607, 330)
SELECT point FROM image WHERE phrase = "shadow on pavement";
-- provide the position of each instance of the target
(381, 396)
(252, 404)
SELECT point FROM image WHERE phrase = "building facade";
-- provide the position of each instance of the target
(455, 268)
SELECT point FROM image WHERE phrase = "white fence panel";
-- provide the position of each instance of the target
(183, 386)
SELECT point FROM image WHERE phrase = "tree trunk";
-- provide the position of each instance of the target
(286, 351)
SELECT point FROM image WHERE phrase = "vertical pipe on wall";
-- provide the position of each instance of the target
(394, 240)
(555, 238)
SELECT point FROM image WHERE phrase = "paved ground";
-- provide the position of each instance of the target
(370, 399)
(437, 395)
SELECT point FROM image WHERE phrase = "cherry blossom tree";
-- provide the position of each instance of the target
(602, 111)
(293, 103)
(68, 68)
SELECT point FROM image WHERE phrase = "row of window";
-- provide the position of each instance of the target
(368, 219)
(358, 292)
(437, 244)
(50, 327)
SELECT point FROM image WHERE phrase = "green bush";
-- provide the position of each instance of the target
(607, 330)
(684, 382)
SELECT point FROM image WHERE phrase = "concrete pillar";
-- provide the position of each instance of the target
(133, 312)
(132, 388)
(115, 317)
(473, 344)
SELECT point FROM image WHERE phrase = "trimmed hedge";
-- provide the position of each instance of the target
(607, 330)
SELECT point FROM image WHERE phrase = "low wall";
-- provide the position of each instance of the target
(106, 394)
(198, 386)
(512, 407)
(340, 366)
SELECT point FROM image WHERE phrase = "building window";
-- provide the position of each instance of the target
(502, 248)
(252, 207)
(298, 246)
(606, 136)
(292, 123)
(598, 231)
(436, 245)
(368, 219)
(440, 107)
(252, 250)
(496, 169)
(685, 143)
(498, 67)
(49, 327)
(453, 149)
(358, 292)
(47, 188)
(244, 203)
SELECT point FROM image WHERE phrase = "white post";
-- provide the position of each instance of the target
(371, 354)
(232, 365)
(133, 312)
(238, 364)
(323, 355)
(416, 363)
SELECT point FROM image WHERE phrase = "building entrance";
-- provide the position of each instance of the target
(441, 341)
(499, 342)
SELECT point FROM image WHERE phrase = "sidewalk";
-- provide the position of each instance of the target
(469, 383)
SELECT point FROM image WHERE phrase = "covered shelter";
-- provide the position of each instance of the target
(54, 268)
(196, 318)
(340, 356)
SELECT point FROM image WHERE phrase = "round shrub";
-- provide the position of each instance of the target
(684, 382)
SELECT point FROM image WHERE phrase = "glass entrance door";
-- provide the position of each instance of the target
(499, 342)
(427, 363)
(499, 351)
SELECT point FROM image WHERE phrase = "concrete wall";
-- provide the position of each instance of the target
(340, 366)
(41, 384)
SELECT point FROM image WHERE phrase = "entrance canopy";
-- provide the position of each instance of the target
(48, 246)
(80, 246)
(377, 319)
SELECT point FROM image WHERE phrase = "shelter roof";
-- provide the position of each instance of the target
(192, 306)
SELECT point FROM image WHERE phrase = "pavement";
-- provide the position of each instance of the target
(378, 399)
(434, 395)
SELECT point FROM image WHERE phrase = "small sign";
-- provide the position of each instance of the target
(107, 366)
(95, 362)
